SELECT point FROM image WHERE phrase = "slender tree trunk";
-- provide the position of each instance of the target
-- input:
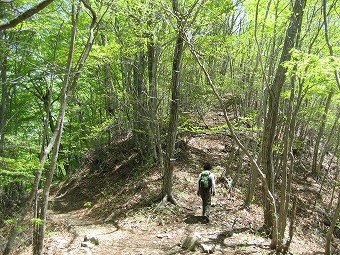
(39, 235)
(139, 99)
(326, 147)
(262, 176)
(4, 102)
(289, 134)
(153, 55)
(328, 41)
(331, 228)
(67, 91)
(270, 122)
(320, 134)
(329, 206)
(291, 226)
(69, 86)
(174, 109)
(175, 95)
(22, 214)
(251, 187)
(48, 121)
(39, 246)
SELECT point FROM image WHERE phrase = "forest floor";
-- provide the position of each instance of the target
(116, 202)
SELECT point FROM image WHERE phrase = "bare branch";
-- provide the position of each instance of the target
(25, 15)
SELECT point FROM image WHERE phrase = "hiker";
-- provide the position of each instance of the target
(206, 188)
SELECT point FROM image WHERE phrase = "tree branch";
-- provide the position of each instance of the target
(329, 44)
(25, 15)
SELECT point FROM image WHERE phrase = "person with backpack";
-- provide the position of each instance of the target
(206, 188)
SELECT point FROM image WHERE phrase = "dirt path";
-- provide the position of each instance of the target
(147, 233)
(149, 229)
(141, 235)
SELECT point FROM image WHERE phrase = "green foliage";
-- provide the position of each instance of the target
(88, 204)
(317, 71)
(17, 170)
(104, 105)
(187, 123)
(10, 221)
(37, 221)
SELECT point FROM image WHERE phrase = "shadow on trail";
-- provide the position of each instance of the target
(222, 237)
(194, 219)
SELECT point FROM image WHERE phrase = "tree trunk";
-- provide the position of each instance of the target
(153, 56)
(270, 122)
(320, 134)
(291, 226)
(139, 99)
(251, 187)
(4, 102)
(267, 192)
(289, 134)
(67, 92)
(39, 235)
(22, 214)
(69, 85)
(48, 121)
(39, 245)
(331, 228)
(327, 145)
(328, 41)
(173, 120)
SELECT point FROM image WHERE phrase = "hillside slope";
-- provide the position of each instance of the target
(115, 198)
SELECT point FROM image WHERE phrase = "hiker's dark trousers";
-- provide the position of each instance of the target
(206, 201)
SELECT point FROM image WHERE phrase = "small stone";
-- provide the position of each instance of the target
(208, 248)
(93, 239)
(87, 244)
(190, 243)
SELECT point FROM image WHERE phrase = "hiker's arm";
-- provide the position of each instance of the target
(198, 184)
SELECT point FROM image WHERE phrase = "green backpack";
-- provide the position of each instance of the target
(205, 180)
